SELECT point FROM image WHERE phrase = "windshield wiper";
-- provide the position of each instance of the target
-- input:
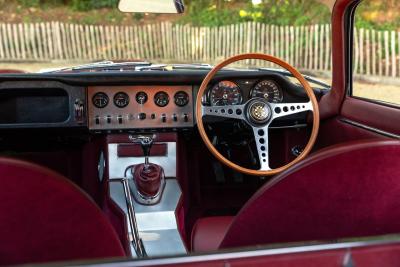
(169, 67)
(194, 66)
(103, 66)
(289, 74)
(161, 67)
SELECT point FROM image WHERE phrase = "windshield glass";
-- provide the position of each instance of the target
(43, 35)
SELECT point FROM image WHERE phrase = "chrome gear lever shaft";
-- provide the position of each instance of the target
(146, 142)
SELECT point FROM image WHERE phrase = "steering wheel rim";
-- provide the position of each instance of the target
(239, 112)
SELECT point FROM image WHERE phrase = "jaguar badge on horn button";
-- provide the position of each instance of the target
(259, 112)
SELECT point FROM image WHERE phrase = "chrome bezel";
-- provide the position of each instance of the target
(126, 96)
(156, 97)
(145, 99)
(106, 97)
(187, 98)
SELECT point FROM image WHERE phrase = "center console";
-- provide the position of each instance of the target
(143, 184)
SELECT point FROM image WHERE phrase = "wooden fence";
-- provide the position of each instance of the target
(306, 47)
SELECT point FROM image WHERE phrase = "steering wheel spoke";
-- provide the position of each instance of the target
(229, 112)
(285, 109)
(262, 143)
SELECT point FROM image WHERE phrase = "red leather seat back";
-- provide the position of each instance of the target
(348, 191)
(44, 218)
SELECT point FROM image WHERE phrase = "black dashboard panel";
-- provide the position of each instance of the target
(41, 104)
(27, 106)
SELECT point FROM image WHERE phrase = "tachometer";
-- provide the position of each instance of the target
(226, 93)
(268, 90)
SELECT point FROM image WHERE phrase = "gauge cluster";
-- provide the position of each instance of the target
(229, 92)
(140, 107)
(172, 106)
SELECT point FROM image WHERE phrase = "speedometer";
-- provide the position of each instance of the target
(268, 90)
(226, 93)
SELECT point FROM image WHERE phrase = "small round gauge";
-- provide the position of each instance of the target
(181, 98)
(121, 99)
(100, 100)
(161, 99)
(226, 93)
(268, 90)
(141, 98)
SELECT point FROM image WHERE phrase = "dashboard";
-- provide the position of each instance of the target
(135, 101)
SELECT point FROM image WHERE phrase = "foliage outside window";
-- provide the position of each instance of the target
(277, 12)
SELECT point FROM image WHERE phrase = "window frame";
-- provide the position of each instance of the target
(349, 24)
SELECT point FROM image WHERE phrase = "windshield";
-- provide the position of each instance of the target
(48, 34)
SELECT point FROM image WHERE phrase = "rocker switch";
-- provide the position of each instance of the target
(119, 119)
(163, 118)
(97, 120)
(108, 119)
(174, 117)
(185, 117)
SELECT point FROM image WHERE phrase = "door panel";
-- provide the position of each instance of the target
(359, 120)
(337, 130)
(376, 116)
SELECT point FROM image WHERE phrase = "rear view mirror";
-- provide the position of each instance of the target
(151, 6)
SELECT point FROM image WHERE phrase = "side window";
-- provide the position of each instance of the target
(376, 51)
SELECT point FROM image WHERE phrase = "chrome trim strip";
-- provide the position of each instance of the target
(296, 126)
(137, 242)
(369, 128)
(250, 254)
(101, 166)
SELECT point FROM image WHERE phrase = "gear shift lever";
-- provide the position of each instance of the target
(148, 178)
(146, 142)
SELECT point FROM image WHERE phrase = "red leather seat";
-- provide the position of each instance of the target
(208, 233)
(44, 218)
(347, 191)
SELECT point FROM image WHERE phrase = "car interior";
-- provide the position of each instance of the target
(159, 161)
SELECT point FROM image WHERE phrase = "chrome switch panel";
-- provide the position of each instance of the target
(140, 107)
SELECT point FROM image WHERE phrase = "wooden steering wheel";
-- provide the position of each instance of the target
(258, 113)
